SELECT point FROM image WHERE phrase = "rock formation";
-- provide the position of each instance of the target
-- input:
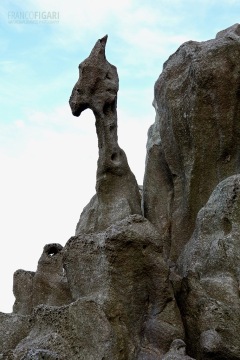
(48, 285)
(209, 265)
(162, 284)
(195, 140)
(177, 351)
(117, 193)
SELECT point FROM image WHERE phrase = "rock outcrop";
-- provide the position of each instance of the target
(126, 275)
(117, 192)
(209, 265)
(195, 140)
(48, 285)
(162, 285)
(177, 351)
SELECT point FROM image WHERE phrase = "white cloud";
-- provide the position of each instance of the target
(19, 124)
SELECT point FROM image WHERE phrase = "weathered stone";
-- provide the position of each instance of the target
(50, 285)
(23, 291)
(122, 269)
(195, 141)
(117, 193)
(41, 354)
(76, 331)
(177, 351)
(13, 328)
(209, 295)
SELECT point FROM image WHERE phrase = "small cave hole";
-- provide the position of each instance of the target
(106, 108)
(114, 156)
(227, 225)
(51, 254)
(238, 91)
(52, 251)
(108, 76)
(225, 157)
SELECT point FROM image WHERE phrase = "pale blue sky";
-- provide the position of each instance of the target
(48, 157)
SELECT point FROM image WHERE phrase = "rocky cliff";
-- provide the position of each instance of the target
(155, 275)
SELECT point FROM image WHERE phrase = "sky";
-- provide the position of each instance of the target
(49, 157)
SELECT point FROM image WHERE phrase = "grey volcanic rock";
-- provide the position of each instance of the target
(48, 285)
(117, 193)
(41, 354)
(23, 291)
(123, 306)
(177, 351)
(76, 331)
(195, 140)
(122, 270)
(209, 295)
(13, 328)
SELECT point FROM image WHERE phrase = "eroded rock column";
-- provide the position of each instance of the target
(117, 192)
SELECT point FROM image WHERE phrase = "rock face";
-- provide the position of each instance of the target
(195, 140)
(117, 193)
(48, 285)
(125, 274)
(177, 351)
(123, 306)
(163, 286)
(209, 295)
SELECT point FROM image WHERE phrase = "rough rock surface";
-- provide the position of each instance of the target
(48, 285)
(124, 272)
(129, 287)
(177, 351)
(13, 328)
(117, 193)
(123, 306)
(209, 294)
(195, 140)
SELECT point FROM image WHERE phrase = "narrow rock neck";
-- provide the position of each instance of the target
(106, 127)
